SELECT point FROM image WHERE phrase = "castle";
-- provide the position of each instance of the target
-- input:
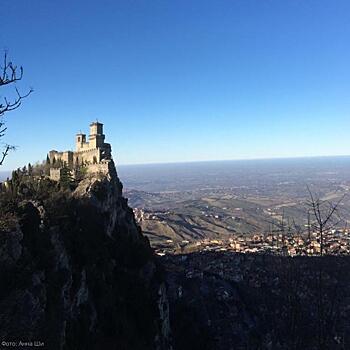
(94, 154)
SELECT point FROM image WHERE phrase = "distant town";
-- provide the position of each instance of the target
(335, 241)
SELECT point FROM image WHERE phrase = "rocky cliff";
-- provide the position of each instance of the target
(76, 273)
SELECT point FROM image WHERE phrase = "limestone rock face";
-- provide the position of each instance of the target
(104, 192)
(77, 273)
(10, 247)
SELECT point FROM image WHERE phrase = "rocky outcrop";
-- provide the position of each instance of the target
(104, 192)
(77, 273)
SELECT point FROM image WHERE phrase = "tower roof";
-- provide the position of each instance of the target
(96, 123)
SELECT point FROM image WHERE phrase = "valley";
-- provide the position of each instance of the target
(214, 200)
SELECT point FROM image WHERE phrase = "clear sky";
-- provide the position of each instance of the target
(181, 80)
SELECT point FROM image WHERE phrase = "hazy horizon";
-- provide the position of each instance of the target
(8, 171)
(226, 173)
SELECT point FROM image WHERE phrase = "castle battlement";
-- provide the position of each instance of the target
(89, 154)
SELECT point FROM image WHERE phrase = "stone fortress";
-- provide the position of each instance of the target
(94, 154)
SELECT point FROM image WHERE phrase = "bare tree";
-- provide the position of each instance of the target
(9, 75)
(323, 216)
(285, 229)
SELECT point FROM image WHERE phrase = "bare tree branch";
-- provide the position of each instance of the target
(326, 216)
(5, 152)
(8, 106)
(9, 74)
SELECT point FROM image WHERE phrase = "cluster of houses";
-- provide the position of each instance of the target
(335, 242)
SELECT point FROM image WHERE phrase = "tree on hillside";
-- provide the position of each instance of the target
(324, 216)
(66, 180)
(9, 75)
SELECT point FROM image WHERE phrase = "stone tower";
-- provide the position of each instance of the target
(96, 137)
(80, 142)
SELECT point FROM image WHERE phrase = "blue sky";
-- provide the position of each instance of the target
(181, 80)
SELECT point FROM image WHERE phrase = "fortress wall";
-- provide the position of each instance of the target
(55, 174)
(54, 154)
(82, 146)
(67, 157)
(99, 168)
(87, 156)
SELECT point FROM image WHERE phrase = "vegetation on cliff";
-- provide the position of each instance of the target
(76, 271)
